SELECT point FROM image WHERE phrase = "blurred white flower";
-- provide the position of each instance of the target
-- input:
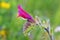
(57, 29)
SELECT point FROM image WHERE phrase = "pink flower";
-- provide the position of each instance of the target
(22, 13)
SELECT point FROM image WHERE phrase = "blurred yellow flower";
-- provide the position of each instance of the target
(5, 5)
(2, 32)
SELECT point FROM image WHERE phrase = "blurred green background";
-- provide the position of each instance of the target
(14, 25)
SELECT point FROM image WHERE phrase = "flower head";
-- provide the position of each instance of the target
(22, 13)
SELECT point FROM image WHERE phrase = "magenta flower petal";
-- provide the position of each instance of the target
(23, 13)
